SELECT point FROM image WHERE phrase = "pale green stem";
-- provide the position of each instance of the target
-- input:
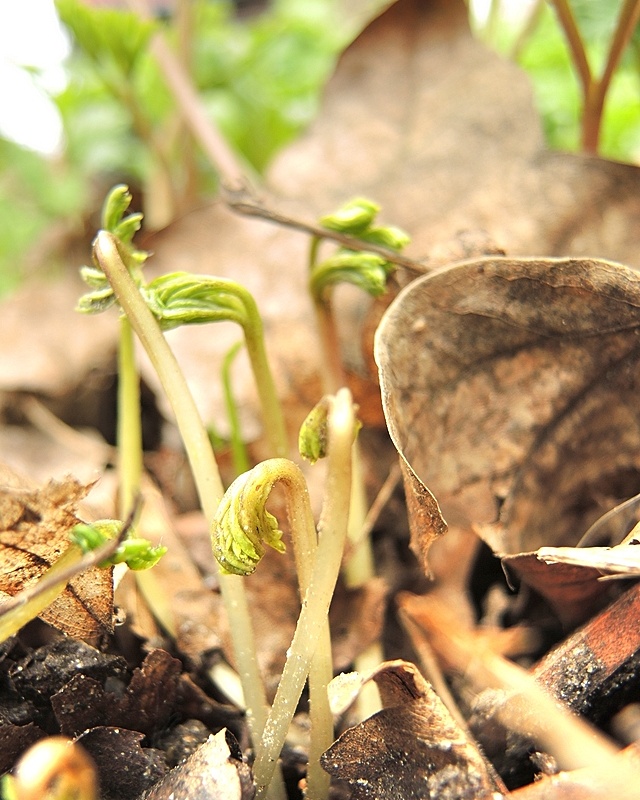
(129, 435)
(303, 532)
(332, 371)
(238, 449)
(271, 408)
(359, 565)
(315, 606)
(203, 465)
(17, 617)
(359, 568)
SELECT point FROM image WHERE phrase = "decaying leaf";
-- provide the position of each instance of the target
(412, 748)
(510, 386)
(425, 518)
(570, 578)
(34, 532)
(213, 772)
(573, 592)
(511, 710)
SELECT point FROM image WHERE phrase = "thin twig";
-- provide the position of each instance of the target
(189, 104)
(54, 578)
(243, 201)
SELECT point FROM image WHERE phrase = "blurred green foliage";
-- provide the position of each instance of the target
(260, 78)
(545, 56)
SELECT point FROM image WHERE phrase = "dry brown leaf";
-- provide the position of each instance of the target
(573, 592)
(34, 532)
(412, 748)
(213, 772)
(510, 386)
(425, 518)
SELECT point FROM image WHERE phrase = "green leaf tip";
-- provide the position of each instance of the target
(361, 268)
(242, 526)
(114, 39)
(313, 439)
(123, 228)
(180, 298)
(368, 271)
(136, 553)
(354, 217)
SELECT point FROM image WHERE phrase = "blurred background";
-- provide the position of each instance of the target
(83, 104)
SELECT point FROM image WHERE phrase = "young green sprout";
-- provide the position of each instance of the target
(107, 548)
(240, 532)
(135, 552)
(369, 271)
(180, 298)
(54, 768)
(107, 255)
(123, 227)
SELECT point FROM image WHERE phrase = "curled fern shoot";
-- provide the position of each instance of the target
(180, 298)
(241, 531)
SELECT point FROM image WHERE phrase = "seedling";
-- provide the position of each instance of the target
(240, 531)
(102, 544)
(52, 769)
(369, 271)
(242, 525)
(135, 301)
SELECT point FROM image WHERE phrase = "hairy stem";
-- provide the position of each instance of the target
(129, 434)
(201, 458)
(315, 606)
(271, 409)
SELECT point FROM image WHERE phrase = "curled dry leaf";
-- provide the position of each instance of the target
(412, 748)
(570, 578)
(34, 532)
(510, 386)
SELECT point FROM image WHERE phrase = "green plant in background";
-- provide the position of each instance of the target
(584, 60)
(259, 78)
